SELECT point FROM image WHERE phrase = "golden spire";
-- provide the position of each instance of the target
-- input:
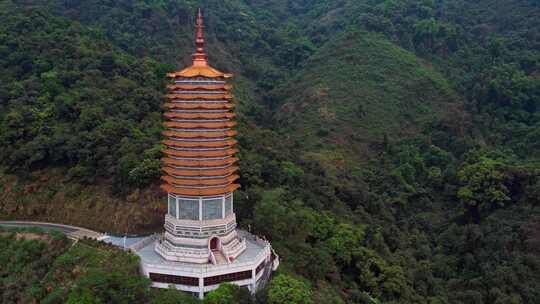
(199, 57)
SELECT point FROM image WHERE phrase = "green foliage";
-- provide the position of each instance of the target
(78, 111)
(484, 184)
(25, 259)
(171, 296)
(47, 268)
(229, 294)
(288, 289)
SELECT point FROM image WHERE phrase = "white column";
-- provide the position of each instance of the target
(223, 207)
(177, 208)
(168, 203)
(253, 280)
(200, 209)
(201, 285)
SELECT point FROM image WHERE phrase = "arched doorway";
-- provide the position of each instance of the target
(214, 243)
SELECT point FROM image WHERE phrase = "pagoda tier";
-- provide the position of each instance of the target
(203, 106)
(199, 134)
(201, 154)
(197, 125)
(199, 116)
(220, 143)
(208, 95)
(208, 191)
(196, 174)
(207, 87)
(199, 163)
(206, 182)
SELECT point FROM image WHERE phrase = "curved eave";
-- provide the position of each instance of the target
(204, 173)
(198, 115)
(202, 125)
(218, 153)
(195, 71)
(188, 96)
(202, 182)
(199, 163)
(203, 144)
(210, 87)
(220, 134)
(200, 192)
(204, 106)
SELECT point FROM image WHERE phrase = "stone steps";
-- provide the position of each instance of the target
(220, 258)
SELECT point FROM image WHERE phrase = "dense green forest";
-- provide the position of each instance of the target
(402, 139)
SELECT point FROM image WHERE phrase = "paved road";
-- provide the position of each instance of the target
(71, 231)
(79, 232)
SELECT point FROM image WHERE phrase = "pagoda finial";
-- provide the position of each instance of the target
(200, 58)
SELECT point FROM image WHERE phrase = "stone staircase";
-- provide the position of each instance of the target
(220, 258)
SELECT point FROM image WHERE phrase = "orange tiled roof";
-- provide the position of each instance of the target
(199, 163)
(206, 125)
(217, 153)
(198, 105)
(204, 144)
(198, 115)
(219, 134)
(200, 192)
(185, 172)
(203, 182)
(199, 96)
(196, 71)
(225, 87)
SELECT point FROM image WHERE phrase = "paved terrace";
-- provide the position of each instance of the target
(256, 249)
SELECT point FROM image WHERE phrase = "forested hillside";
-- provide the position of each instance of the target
(389, 149)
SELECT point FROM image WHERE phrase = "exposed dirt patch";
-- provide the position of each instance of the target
(31, 236)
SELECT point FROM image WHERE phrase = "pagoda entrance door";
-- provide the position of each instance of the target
(214, 243)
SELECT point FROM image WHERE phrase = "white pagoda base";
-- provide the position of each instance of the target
(251, 269)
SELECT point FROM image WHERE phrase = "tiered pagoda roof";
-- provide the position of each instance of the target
(199, 158)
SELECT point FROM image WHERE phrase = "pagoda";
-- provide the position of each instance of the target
(201, 246)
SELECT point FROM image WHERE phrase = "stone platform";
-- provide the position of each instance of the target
(251, 269)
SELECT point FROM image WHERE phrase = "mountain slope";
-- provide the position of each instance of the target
(360, 90)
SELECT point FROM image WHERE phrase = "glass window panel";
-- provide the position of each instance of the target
(212, 209)
(188, 209)
(172, 206)
(228, 205)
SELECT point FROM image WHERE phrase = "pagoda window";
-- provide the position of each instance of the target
(172, 206)
(188, 209)
(212, 209)
(228, 205)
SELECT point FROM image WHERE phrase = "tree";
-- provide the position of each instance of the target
(171, 296)
(285, 289)
(229, 294)
(484, 185)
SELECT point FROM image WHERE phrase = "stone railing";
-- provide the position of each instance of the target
(166, 248)
(205, 268)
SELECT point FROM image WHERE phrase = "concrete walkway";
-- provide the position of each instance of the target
(70, 231)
